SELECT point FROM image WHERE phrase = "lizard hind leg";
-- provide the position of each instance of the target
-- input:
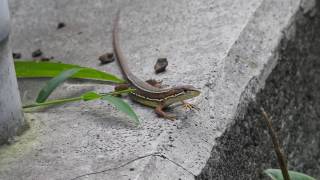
(154, 83)
(121, 87)
(159, 111)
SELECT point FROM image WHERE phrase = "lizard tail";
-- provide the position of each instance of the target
(122, 61)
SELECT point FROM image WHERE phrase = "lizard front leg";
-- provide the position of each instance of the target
(159, 111)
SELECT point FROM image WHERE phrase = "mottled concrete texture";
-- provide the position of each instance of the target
(227, 48)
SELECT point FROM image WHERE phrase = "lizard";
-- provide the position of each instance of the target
(148, 93)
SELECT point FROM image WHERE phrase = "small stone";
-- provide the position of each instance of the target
(46, 59)
(16, 55)
(61, 25)
(171, 138)
(161, 65)
(106, 58)
(131, 169)
(208, 84)
(36, 53)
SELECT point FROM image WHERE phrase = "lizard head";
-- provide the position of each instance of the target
(181, 93)
(187, 92)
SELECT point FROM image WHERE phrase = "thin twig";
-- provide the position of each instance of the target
(281, 158)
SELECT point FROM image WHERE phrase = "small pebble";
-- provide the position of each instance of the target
(161, 65)
(16, 55)
(61, 25)
(106, 58)
(45, 59)
(36, 53)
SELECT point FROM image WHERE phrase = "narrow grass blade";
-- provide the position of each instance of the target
(31, 69)
(122, 106)
(276, 174)
(54, 83)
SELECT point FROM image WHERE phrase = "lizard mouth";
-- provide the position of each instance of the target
(195, 92)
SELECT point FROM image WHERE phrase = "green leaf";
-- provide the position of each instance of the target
(90, 96)
(122, 106)
(54, 83)
(276, 174)
(31, 69)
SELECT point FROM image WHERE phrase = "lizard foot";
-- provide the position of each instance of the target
(188, 106)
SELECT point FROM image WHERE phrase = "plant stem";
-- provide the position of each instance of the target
(57, 101)
(276, 145)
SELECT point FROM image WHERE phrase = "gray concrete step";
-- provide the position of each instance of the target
(227, 48)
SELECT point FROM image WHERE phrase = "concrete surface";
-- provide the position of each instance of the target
(227, 48)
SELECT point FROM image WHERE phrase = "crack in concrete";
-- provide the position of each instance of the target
(177, 164)
(117, 167)
(131, 161)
